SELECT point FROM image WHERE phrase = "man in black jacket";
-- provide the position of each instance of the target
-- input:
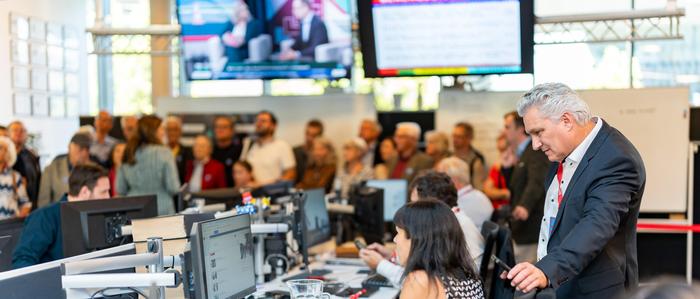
(588, 235)
(27, 161)
(312, 34)
(526, 187)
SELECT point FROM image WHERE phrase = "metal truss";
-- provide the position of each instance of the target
(637, 25)
(156, 40)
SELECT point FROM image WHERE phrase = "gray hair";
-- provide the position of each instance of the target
(11, 152)
(376, 124)
(413, 128)
(456, 168)
(173, 119)
(553, 100)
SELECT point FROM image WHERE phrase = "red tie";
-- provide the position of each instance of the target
(560, 174)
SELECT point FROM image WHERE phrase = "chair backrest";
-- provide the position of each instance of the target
(259, 48)
(499, 288)
(489, 230)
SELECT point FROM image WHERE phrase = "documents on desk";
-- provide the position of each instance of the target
(349, 271)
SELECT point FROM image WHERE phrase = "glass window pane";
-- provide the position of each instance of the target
(132, 84)
(226, 88)
(584, 66)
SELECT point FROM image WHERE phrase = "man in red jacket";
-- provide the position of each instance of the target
(204, 172)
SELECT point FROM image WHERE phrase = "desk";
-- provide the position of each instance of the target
(341, 273)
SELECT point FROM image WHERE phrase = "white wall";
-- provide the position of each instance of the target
(54, 132)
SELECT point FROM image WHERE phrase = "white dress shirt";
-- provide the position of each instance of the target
(306, 27)
(196, 179)
(551, 204)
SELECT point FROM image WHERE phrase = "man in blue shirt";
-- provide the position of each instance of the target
(41, 239)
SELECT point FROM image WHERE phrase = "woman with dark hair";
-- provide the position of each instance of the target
(436, 260)
(243, 175)
(148, 166)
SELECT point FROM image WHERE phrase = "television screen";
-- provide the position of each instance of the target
(265, 39)
(446, 37)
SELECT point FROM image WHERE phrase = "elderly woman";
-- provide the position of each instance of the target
(353, 170)
(14, 201)
(322, 166)
(438, 146)
(203, 172)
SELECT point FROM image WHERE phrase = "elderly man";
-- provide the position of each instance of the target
(203, 172)
(472, 202)
(588, 236)
(101, 147)
(27, 161)
(410, 160)
(369, 132)
(182, 154)
(54, 182)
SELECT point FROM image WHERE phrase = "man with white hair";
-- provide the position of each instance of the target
(588, 235)
(182, 154)
(369, 132)
(410, 160)
(27, 160)
(129, 125)
(102, 144)
(472, 202)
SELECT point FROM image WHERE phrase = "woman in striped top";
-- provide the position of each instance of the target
(14, 201)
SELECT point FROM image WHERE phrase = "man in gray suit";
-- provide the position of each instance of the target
(410, 160)
(54, 182)
(588, 237)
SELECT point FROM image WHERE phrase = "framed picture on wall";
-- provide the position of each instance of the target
(55, 57)
(22, 103)
(57, 106)
(40, 80)
(71, 37)
(20, 52)
(37, 54)
(19, 26)
(40, 105)
(54, 34)
(37, 30)
(20, 77)
(56, 82)
(72, 107)
(72, 84)
(72, 60)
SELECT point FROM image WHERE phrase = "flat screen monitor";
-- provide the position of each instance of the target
(265, 39)
(395, 195)
(315, 214)
(446, 37)
(10, 233)
(96, 224)
(222, 258)
(369, 213)
(229, 196)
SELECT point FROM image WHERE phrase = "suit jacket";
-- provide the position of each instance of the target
(592, 252)
(54, 181)
(317, 36)
(184, 155)
(28, 166)
(418, 162)
(213, 174)
(252, 30)
(527, 190)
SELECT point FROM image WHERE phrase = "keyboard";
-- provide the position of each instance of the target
(375, 281)
(306, 275)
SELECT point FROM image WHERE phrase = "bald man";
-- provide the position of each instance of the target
(103, 143)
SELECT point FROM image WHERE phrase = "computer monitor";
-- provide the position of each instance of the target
(395, 195)
(274, 190)
(96, 224)
(222, 258)
(10, 233)
(317, 228)
(369, 213)
(44, 280)
(229, 196)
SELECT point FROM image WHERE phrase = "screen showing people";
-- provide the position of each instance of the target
(228, 250)
(253, 39)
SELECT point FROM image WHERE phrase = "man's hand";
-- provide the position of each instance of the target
(371, 258)
(386, 253)
(525, 277)
(520, 213)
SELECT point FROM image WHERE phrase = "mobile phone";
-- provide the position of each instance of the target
(500, 263)
(360, 245)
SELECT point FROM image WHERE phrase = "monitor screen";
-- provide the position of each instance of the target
(318, 228)
(395, 195)
(446, 37)
(227, 257)
(260, 39)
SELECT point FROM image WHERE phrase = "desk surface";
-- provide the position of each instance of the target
(340, 273)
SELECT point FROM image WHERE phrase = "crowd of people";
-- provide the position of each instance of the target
(541, 146)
